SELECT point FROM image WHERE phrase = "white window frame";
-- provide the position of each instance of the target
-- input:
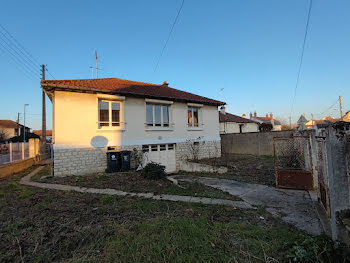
(121, 112)
(162, 124)
(191, 125)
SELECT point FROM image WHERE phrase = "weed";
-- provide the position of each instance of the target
(25, 193)
(107, 199)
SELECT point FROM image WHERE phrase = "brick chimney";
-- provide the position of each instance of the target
(250, 115)
(271, 115)
(223, 109)
(267, 115)
(165, 83)
(254, 114)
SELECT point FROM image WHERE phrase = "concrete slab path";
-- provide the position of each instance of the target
(209, 201)
(292, 206)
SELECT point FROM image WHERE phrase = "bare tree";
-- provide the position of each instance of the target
(3, 135)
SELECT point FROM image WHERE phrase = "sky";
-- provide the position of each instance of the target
(249, 48)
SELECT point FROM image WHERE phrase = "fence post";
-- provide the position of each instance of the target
(22, 150)
(10, 149)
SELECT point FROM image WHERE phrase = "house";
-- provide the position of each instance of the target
(93, 115)
(9, 129)
(48, 134)
(267, 123)
(230, 123)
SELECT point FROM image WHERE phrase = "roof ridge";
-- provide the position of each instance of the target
(99, 79)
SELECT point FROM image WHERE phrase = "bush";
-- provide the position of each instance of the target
(318, 249)
(154, 171)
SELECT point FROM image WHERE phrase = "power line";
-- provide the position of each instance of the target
(301, 57)
(15, 54)
(171, 31)
(17, 64)
(328, 108)
(19, 44)
(25, 58)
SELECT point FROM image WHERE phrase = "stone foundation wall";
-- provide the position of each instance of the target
(192, 150)
(81, 161)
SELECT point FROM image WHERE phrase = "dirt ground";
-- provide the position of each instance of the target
(245, 168)
(134, 182)
(40, 225)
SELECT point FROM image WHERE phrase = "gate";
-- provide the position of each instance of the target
(293, 162)
(322, 175)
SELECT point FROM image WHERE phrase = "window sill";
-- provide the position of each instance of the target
(159, 129)
(112, 129)
(194, 129)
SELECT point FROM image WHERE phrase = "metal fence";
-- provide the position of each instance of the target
(11, 152)
(293, 162)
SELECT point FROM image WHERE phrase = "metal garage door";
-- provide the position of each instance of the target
(163, 154)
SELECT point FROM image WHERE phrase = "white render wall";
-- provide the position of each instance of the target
(233, 127)
(75, 123)
(80, 147)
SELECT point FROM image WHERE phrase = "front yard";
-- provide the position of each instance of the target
(245, 168)
(39, 225)
(134, 182)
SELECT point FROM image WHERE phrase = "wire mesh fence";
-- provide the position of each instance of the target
(292, 153)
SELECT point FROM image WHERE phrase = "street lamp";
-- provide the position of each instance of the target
(24, 122)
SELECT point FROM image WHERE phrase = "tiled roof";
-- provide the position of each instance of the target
(39, 132)
(228, 117)
(9, 124)
(268, 120)
(128, 87)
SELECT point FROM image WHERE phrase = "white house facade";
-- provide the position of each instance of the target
(230, 123)
(167, 125)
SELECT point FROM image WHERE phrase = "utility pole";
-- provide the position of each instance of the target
(96, 64)
(43, 124)
(341, 109)
(18, 117)
(24, 122)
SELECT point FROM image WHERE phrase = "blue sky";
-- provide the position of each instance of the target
(249, 48)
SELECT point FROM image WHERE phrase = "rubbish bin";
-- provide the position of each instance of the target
(125, 157)
(113, 161)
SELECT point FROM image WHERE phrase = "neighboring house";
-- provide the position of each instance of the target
(11, 129)
(92, 115)
(230, 123)
(267, 121)
(48, 134)
(301, 123)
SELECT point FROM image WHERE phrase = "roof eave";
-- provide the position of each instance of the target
(50, 87)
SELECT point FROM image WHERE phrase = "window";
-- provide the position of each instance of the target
(154, 148)
(170, 147)
(162, 147)
(145, 148)
(192, 117)
(157, 115)
(109, 113)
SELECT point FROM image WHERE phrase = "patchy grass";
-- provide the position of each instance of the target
(66, 226)
(244, 168)
(134, 182)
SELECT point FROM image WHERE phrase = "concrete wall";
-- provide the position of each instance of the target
(15, 167)
(233, 127)
(260, 143)
(338, 157)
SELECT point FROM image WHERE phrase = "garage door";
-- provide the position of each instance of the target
(163, 154)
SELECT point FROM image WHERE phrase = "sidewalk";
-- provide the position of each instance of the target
(191, 199)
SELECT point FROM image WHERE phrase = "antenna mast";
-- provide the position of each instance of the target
(96, 64)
